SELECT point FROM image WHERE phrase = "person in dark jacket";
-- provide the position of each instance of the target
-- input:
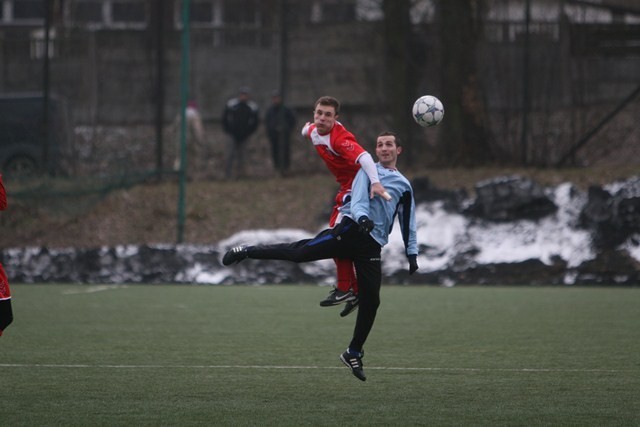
(240, 120)
(279, 121)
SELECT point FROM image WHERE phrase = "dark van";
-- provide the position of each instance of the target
(26, 147)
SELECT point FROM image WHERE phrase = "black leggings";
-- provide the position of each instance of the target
(6, 314)
(345, 241)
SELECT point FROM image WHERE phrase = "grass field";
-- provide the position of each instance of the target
(244, 355)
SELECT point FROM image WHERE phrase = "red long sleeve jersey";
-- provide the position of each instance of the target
(340, 152)
(3, 196)
(5, 292)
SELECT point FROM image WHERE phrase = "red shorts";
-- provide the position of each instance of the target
(5, 292)
(339, 201)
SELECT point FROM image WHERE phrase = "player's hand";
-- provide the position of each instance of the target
(413, 263)
(365, 225)
(378, 190)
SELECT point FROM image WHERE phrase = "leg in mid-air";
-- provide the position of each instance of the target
(6, 314)
(346, 285)
(369, 271)
(345, 242)
(323, 246)
(346, 288)
(350, 307)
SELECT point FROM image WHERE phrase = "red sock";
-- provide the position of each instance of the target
(346, 275)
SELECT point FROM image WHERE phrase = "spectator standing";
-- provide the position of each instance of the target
(6, 314)
(196, 158)
(280, 121)
(239, 120)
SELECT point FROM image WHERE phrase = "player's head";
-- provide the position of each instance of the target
(395, 136)
(325, 113)
(388, 147)
(328, 101)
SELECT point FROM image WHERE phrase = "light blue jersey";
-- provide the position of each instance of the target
(383, 212)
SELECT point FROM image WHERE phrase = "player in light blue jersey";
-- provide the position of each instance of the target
(360, 236)
(378, 211)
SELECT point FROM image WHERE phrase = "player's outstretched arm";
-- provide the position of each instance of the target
(377, 189)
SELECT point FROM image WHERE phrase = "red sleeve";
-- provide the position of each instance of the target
(3, 196)
(345, 144)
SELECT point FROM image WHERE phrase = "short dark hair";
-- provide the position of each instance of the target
(393, 134)
(329, 101)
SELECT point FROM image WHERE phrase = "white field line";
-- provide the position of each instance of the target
(92, 289)
(275, 367)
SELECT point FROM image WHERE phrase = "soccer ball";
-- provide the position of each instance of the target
(428, 111)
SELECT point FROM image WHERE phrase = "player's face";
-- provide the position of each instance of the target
(387, 151)
(324, 117)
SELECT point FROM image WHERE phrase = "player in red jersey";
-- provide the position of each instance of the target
(344, 157)
(6, 315)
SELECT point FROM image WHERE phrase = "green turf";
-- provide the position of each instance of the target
(242, 355)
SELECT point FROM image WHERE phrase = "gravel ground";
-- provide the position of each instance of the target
(215, 210)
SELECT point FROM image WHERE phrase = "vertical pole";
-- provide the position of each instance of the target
(526, 101)
(159, 86)
(283, 79)
(45, 88)
(184, 94)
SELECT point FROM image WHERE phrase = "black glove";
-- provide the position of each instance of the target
(413, 263)
(365, 225)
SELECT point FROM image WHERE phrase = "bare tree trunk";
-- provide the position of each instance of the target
(464, 136)
(399, 69)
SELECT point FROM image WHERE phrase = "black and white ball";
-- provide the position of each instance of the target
(428, 111)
